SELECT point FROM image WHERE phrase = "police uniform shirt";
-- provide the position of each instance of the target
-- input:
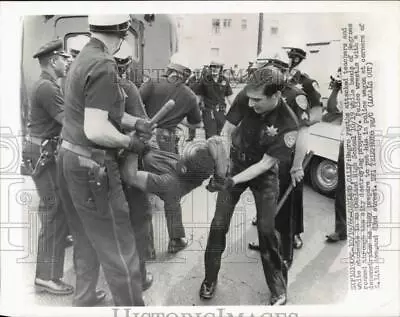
(46, 103)
(273, 133)
(133, 103)
(92, 82)
(213, 92)
(310, 87)
(297, 100)
(156, 94)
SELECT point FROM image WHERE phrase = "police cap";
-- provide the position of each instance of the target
(112, 24)
(54, 47)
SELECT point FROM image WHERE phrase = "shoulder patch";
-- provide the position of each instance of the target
(315, 86)
(302, 102)
(290, 138)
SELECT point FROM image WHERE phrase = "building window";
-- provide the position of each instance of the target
(274, 30)
(227, 23)
(214, 52)
(216, 25)
(244, 24)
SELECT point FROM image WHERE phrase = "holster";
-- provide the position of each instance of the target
(98, 178)
(48, 152)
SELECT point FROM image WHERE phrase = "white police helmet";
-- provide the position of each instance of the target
(77, 43)
(276, 57)
(179, 63)
(109, 23)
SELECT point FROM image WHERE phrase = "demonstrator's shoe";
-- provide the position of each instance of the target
(207, 289)
(176, 245)
(254, 246)
(99, 297)
(335, 237)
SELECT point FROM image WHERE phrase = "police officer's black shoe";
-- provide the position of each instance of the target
(69, 241)
(254, 246)
(280, 300)
(147, 282)
(297, 241)
(176, 245)
(207, 289)
(254, 221)
(335, 237)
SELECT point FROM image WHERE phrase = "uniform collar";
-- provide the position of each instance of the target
(46, 75)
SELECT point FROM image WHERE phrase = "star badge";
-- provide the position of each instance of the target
(299, 86)
(271, 131)
(304, 116)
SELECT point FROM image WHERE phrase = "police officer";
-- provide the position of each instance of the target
(45, 122)
(171, 176)
(296, 99)
(94, 118)
(297, 53)
(156, 93)
(138, 202)
(214, 90)
(262, 142)
(335, 108)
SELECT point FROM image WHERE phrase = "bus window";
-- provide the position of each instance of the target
(133, 41)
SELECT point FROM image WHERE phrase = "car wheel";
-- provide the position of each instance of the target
(323, 175)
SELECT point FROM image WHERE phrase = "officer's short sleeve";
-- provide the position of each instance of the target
(50, 97)
(146, 90)
(102, 89)
(301, 109)
(239, 108)
(194, 114)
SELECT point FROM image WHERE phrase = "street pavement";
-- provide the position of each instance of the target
(318, 274)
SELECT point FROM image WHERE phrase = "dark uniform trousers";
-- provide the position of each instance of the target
(102, 232)
(340, 198)
(214, 120)
(285, 220)
(265, 189)
(54, 227)
(140, 217)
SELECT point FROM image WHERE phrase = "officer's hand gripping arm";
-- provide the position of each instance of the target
(301, 148)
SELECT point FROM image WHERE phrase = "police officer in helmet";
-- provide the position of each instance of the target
(92, 138)
(214, 90)
(263, 140)
(138, 201)
(155, 93)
